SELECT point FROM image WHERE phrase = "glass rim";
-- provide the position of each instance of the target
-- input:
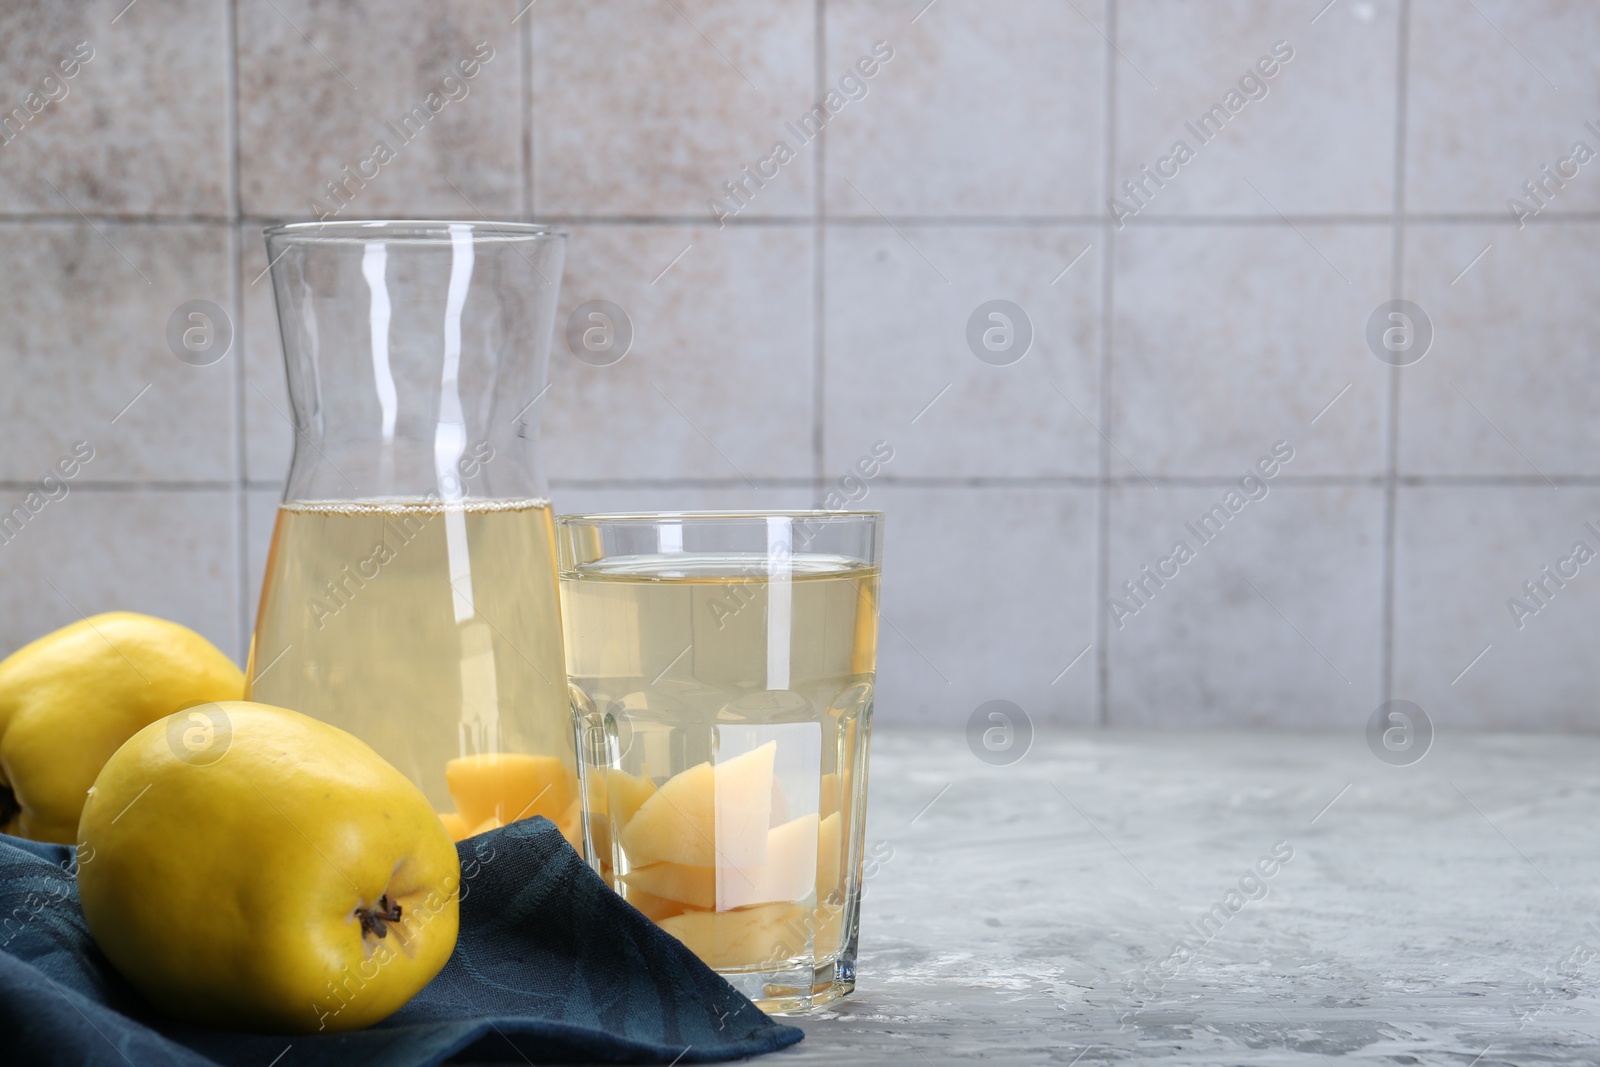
(640, 518)
(410, 229)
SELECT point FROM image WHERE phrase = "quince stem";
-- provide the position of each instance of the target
(375, 920)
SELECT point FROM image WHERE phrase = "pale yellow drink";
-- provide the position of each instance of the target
(429, 630)
(726, 703)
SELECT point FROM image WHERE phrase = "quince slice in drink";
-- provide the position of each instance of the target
(626, 794)
(510, 786)
(746, 938)
(707, 815)
(455, 825)
(828, 794)
(788, 875)
(654, 907)
(828, 857)
(614, 796)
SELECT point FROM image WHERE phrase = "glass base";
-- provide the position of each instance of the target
(794, 990)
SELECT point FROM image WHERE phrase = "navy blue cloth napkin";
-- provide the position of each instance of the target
(550, 966)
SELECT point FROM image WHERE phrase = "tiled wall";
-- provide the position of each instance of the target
(1170, 353)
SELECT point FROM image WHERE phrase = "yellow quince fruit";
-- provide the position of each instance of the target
(249, 867)
(71, 698)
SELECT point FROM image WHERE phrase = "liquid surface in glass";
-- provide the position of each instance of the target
(431, 631)
(725, 706)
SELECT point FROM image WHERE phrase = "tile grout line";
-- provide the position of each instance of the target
(819, 272)
(235, 243)
(241, 490)
(1015, 483)
(1553, 218)
(231, 60)
(1392, 424)
(525, 33)
(1102, 549)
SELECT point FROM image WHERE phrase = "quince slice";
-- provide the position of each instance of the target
(707, 815)
(510, 786)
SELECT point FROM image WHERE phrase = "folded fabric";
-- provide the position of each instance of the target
(550, 965)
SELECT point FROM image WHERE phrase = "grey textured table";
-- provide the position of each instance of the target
(1442, 913)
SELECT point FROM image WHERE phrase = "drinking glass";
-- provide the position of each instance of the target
(410, 593)
(722, 668)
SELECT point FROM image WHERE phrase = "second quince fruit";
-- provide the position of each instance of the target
(71, 698)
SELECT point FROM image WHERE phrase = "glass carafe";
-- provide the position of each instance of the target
(410, 593)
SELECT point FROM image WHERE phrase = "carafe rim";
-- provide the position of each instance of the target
(720, 515)
(409, 229)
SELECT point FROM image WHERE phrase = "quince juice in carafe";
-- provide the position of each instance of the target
(431, 630)
(410, 595)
